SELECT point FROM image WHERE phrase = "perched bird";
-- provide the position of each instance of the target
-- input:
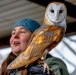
(47, 36)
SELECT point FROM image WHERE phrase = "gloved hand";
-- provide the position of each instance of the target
(36, 70)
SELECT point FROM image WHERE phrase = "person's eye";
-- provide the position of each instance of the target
(13, 33)
(23, 31)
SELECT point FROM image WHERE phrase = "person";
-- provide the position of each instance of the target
(21, 34)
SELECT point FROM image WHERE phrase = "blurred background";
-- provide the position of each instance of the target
(12, 10)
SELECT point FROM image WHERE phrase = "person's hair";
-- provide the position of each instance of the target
(30, 24)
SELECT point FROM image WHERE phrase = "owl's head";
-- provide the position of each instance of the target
(56, 12)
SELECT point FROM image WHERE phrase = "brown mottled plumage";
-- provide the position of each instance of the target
(47, 36)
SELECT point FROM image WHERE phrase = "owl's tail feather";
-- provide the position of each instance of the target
(21, 61)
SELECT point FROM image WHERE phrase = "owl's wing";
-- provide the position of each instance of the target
(32, 36)
(42, 40)
(57, 40)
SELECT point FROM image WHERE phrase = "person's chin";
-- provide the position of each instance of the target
(16, 52)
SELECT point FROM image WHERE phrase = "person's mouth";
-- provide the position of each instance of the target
(16, 43)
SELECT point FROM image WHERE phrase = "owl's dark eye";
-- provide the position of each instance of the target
(60, 11)
(52, 11)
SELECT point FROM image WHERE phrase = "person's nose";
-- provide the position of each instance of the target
(17, 35)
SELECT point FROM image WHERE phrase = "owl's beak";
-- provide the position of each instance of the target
(56, 16)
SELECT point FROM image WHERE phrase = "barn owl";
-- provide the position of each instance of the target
(47, 36)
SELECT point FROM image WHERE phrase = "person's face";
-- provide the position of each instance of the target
(19, 39)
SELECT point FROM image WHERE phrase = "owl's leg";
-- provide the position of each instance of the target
(45, 66)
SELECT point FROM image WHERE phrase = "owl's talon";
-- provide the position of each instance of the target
(46, 68)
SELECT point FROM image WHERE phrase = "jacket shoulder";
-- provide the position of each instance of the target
(57, 65)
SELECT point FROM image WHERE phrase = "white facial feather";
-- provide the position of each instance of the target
(56, 14)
